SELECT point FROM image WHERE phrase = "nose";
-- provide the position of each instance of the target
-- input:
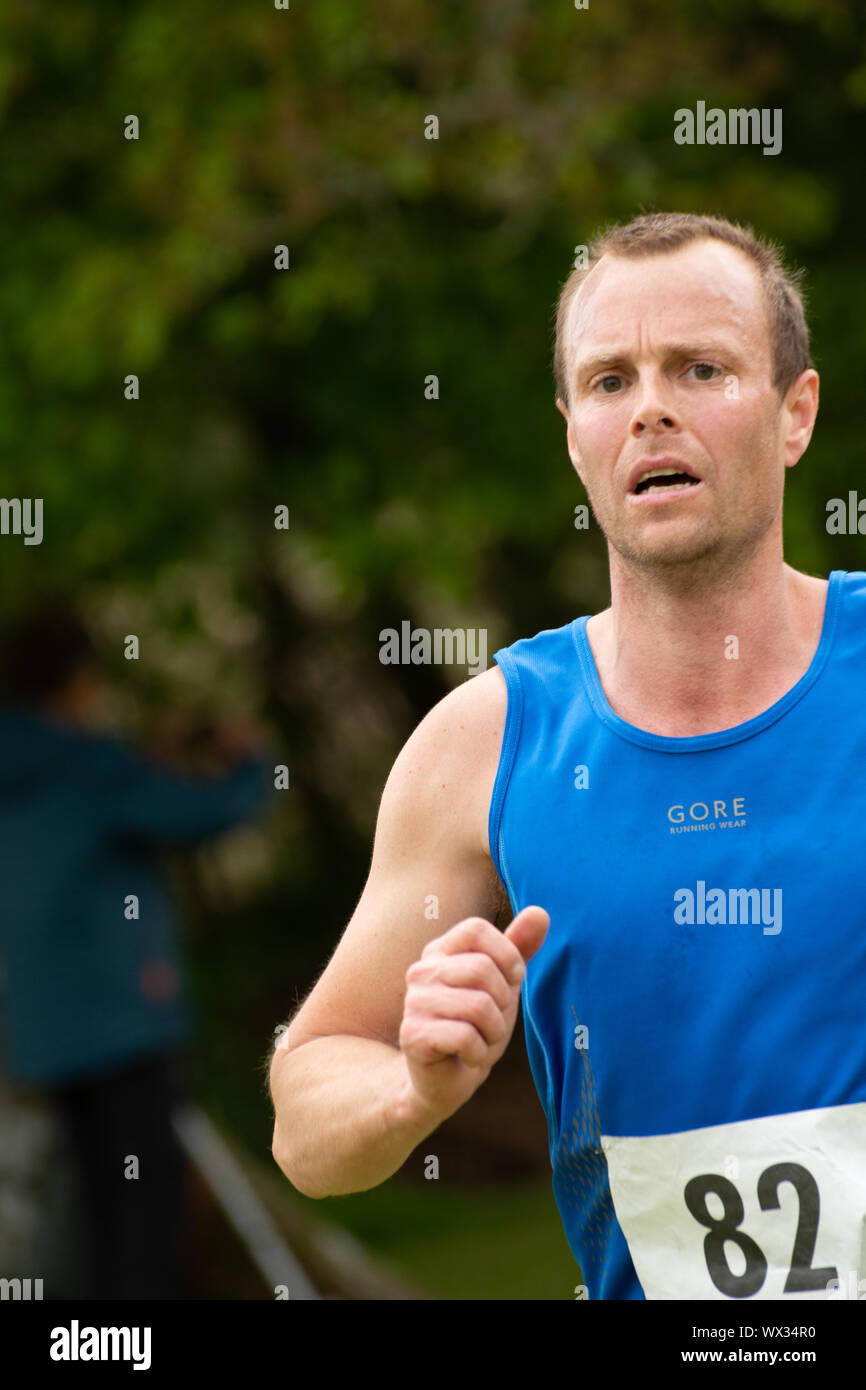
(653, 408)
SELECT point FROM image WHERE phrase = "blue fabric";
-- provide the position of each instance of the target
(82, 819)
(689, 1024)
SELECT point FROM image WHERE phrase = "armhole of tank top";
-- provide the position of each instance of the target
(507, 757)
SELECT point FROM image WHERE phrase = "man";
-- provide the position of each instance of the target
(664, 780)
(93, 1004)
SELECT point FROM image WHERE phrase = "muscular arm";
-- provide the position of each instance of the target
(346, 1113)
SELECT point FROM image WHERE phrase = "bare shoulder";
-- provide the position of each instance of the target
(430, 847)
(448, 765)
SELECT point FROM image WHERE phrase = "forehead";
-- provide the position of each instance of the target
(705, 285)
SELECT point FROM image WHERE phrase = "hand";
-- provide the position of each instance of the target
(461, 1006)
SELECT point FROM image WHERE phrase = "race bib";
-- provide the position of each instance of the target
(772, 1208)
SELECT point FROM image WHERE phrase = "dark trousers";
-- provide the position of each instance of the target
(132, 1225)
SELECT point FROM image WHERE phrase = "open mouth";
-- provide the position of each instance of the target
(664, 480)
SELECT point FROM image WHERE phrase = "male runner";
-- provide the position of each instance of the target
(665, 780)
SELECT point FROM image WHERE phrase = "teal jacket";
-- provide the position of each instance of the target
(82, 820)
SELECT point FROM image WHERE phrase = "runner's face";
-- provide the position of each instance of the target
(671, 362)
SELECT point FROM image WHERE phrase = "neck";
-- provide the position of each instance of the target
(680, 659)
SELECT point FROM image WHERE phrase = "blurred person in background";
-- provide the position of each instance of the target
(93, 997)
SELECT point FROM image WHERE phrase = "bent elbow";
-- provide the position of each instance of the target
(285, 1163)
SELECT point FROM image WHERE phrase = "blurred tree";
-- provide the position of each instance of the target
(305, 387)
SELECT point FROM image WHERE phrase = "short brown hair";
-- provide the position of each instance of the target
(656, 233)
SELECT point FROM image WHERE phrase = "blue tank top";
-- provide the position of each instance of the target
(696, 1018)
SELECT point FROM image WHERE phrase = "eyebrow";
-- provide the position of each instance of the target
(707, 348)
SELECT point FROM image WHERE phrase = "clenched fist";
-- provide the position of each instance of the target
(461, 1006)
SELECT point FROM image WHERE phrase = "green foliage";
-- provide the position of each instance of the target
(409, 257)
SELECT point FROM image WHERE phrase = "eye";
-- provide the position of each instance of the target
(604, 384)
(705, 367)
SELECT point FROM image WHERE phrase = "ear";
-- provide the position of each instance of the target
(801, 404)
(572, 447)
